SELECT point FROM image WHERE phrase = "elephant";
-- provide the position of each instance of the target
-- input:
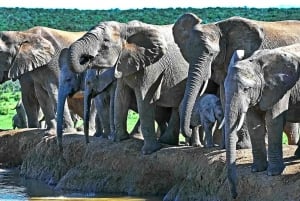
(33, 55)
(101, 85)
(266, 87)
(69, 84)
(147, 61)
(209, 47)
(206, 113)
(19, 120)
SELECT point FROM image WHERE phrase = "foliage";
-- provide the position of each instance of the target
(79, 20)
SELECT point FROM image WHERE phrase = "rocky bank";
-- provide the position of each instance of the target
(176, 173)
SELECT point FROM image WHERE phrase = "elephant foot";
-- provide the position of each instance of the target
(150, 147)
(50, 132)
(120, 136)
(297, 152)
(196, 144)
(259, 167)
(169, 139)
(275, 170)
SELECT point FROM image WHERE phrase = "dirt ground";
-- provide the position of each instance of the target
(178, 173)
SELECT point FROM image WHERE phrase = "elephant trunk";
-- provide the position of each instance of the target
(87, 110)
(80, 54)
(60, 115)
(199, 73)
(232, 122)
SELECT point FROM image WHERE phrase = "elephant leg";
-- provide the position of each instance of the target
(171, 135)
(147, 118)
(208, 139)
(122, 101)
(47, 108)
(275, 127)
(30, 100)
(257, 132)
(292, 132)
(196, 136)
(101, 102)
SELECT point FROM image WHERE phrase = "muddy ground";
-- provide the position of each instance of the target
(176, 173)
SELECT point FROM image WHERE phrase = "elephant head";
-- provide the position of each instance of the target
(127, 47)
(262, 80)
(96, 82)
(208, 48)
(69, 84)
(21, 52)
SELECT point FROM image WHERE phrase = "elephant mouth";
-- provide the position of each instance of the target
(77, 95)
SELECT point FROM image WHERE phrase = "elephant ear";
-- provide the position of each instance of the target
(281, 73)
(238, 33)
(182, 29)
(34, 51)
(105, 79)
(142, 47)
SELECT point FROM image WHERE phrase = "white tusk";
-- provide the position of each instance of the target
(118, 74)
(242, 119)
(222, 124)
(204, 87)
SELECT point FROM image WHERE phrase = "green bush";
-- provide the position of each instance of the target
(3, 110)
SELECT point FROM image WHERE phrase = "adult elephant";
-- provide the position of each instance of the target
(33, 54)
(147, 61)
(71, 83)
(266, 86)
(208, 49)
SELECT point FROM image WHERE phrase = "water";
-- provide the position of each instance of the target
(16, 188)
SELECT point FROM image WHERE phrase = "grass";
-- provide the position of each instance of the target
(7, 104)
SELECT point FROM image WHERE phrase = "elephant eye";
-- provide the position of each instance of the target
(104, 47)
(246, 89)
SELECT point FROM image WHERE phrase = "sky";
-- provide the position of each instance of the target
(139, 4)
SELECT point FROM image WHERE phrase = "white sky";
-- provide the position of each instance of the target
(135, 4)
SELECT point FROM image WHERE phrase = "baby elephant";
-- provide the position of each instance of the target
(206, 113)
(19, 120)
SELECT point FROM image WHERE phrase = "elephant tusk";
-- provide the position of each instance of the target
(242, 119)
(204, 87)
(221, 124)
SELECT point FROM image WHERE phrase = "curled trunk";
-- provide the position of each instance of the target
(80, 54)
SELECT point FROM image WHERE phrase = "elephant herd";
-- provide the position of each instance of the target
(240, 72)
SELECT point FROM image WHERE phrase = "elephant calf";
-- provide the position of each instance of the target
(19, 120)
(206, 113)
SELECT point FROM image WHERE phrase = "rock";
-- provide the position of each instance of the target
(175, 173)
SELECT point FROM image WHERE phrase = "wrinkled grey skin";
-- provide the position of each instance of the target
(100, 85)
(266, 86)
(209, 47)
(69, 84)
(19, 120)
(147, 61)
(35, 52)
(206, 113)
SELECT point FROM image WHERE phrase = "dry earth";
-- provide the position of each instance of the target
(176, 173)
